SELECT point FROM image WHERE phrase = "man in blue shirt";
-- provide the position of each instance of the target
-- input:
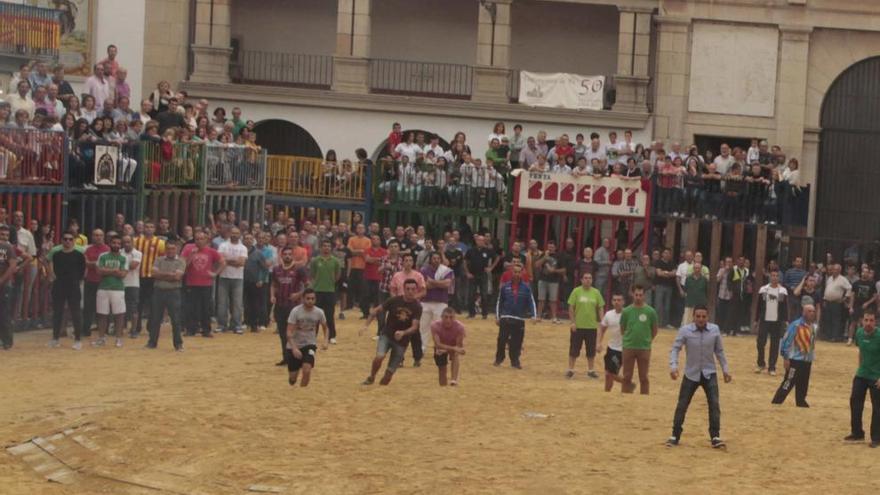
(703, 342)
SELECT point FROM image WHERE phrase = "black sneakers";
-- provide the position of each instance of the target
(368, 381)
(854, 438)
(718, 443)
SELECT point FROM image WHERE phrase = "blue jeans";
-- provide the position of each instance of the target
(229, 299)
(662, 303)
(686, 393)
(385, 344)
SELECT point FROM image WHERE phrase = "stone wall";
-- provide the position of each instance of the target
(166, 35)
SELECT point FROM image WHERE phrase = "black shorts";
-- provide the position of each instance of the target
(342, 285)
(585, 336)
(441, 359)
(308, 356)
(613, 359)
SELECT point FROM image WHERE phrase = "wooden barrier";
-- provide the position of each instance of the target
(289, 175)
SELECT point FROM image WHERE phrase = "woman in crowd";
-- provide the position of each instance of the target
(160, 97)
(89, 112)
(73, 106)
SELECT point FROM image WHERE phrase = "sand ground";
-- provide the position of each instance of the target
(220, 418)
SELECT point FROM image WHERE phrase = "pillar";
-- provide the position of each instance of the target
(673, 68)
(633, 50)
(210, 48)
(351, 68)
(791, 91)
(493, 52)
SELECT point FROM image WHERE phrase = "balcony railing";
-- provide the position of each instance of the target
(311, 177)
(27, 31)
(172, 164)
(235, 167)
(30, 156)
(421, 78)
(118, 166)
(284, 69)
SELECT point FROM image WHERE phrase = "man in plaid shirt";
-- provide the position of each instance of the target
(391, 264)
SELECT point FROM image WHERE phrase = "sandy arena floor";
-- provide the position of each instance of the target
(220, 418)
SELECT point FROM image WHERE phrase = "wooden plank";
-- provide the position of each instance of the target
(714, 266)
(693, 235)
(758, 264)
(738, 235)
(670, 235)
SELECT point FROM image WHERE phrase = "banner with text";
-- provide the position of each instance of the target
(561, 90)
(608, 196)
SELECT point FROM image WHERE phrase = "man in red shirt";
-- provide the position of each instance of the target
(373, 257)
(203, 263)
(90, 293)
(288, 282)
(448, 344)
(394, 138)
(508, 274)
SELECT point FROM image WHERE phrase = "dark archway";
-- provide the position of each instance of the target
(281, 137)
(847, 199)
(382, 149)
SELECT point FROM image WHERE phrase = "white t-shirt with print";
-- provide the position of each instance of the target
(133, 276)
(611, 322)
(231, 251)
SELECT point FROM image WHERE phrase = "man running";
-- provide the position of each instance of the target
(798, 352)
(867, 379)
(402, 322)
(112, 266)
(302, 337)
(585, 307)
(703, 342)
(288, 284)
(614, 354)
(638, 325)
(515, 305)
(448, 336)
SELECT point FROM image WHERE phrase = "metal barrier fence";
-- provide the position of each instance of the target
(103, 165)
(30, 156)
(301, 176)
(234, 166)
(421, 78)
(172, 164)
(31, 31)
(475, 189)
(285, 69)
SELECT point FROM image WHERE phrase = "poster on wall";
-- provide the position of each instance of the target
(76, 33)
(106, 158)
(561, 90)
(608, 196)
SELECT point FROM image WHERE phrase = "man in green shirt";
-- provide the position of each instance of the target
(325, 271)
(867, 378)
(112, 266)
(696, 290)
(585, 308)
(638, 325)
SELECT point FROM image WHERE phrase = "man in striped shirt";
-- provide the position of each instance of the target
(151, 247)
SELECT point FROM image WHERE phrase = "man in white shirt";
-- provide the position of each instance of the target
(595, 151)
(24, 282)
(434, 146)
(99, 87)
(772, 318)
(837, 288)
(610, 324)
(627, 148)
(132, 282)
(230, 286)
(724, 160)
(21, 100)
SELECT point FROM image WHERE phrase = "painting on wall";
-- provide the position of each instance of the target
(76, 33)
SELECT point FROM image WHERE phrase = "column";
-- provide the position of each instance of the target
(673, 62)
(493, 52)
(633, 50)
(211, 50)
(351, 65)
(791, 90)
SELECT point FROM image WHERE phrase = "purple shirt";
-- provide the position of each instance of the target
(437, 294)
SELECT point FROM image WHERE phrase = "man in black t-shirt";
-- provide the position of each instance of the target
(67, 267)
(8, 264)
(402, 321)
(477, 268)
(171, 117)
(861, 299)
(455, 259)
(664, 286)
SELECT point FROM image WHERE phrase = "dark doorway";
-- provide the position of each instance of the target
(281, 137)
(713, 143)
(847, 199)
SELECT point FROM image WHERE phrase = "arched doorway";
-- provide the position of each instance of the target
(847, 199)
(382, 149)
(281, 137)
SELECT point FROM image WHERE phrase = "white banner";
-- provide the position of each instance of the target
(561, 90)
(608, 196)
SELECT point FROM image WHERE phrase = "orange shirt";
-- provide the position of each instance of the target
(358, 262)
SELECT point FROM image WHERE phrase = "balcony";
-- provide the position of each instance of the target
(401, 77)
(31, 157)
(294, 70)
(297, 176)
(29, 32)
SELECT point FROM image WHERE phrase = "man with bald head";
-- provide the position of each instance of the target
(798, 352)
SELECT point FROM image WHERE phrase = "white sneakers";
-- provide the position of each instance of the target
(54, 344)
(333, 341)
(77, 345)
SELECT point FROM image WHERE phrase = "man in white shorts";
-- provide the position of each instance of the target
(614, 355)
(112, 268)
